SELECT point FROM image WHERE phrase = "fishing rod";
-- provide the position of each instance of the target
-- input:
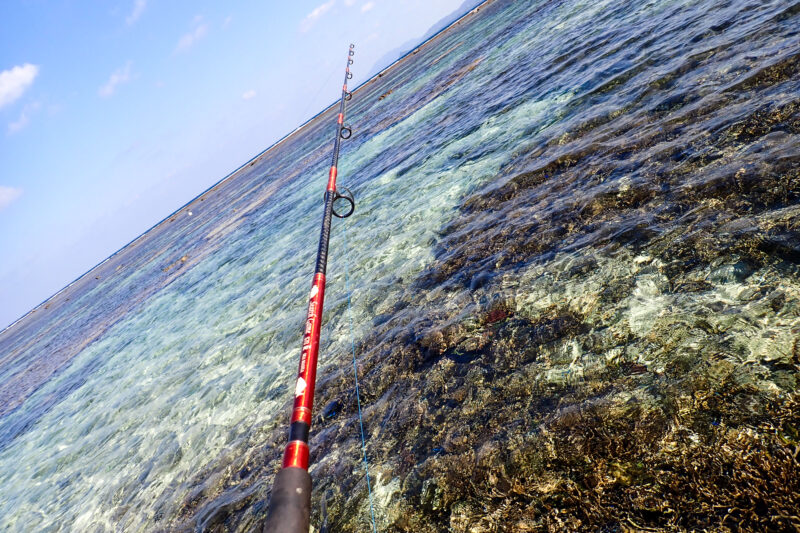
(290, 503)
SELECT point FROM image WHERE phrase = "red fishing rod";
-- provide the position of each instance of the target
(290, 503)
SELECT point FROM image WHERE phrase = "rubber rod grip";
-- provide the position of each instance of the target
(290, 504)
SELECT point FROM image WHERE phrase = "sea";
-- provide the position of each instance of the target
(570, 292)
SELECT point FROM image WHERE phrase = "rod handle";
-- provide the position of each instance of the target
(290, 504)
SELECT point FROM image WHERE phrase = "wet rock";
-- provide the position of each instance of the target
(498, 313)
(519, 341)
(616, 291)
(777, 301)
(737, 272)
(582, 267)
(479, 280)
(693, 286)
(332, 409)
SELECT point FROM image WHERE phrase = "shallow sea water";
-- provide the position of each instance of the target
(574, 263)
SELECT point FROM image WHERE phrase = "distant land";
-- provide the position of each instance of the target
(393, 55)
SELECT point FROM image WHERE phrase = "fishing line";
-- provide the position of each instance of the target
(319, 91)
(355, 370)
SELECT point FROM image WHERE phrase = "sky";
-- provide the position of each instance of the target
(113, 114)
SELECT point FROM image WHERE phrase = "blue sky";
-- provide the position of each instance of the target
(114, 114)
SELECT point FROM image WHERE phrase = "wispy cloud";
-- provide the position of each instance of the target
(21, 122)
(8, 195)
(307, 23)
(249, 94)
(14, 82)
(24, 118)
(366, 7)
(118, 77)
(189, 39)
(227, 22)
(138, 9)
(349, 3)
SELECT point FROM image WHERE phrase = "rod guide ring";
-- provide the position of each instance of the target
(347, 196)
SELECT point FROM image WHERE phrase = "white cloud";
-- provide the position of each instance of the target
(8, 195)
(189, 39)
(24, 118)
(227, 22)
(366, 7)
(21, 122)
(349, 3)
(118, 77)
(312, 17)
(138, 9)
(14, 82)
(249, 94)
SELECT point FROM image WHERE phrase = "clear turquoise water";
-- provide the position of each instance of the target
(137, 386)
